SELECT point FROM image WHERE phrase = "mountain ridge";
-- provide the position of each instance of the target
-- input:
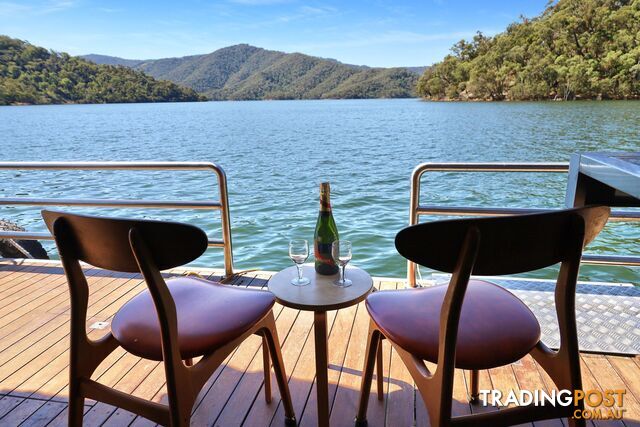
(31, 74)
(245, 72)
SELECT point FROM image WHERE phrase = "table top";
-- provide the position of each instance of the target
(321, 294)
(619, 171)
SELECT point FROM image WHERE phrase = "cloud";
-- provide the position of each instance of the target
(306, 12)
(388, 37)
(259, 2)
(10, 8)
(53, 6)
(309, 10)
(109, 10)
(43, 8)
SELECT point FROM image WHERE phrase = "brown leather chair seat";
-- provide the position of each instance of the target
(495, 328)
(209, 316)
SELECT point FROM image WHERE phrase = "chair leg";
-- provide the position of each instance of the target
(373, 343)
(266, 363)
(76, 404)
(271, 335)
(379, 371)
(474, 396)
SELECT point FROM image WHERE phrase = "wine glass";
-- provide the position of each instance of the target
(341, 252)
(299, 252)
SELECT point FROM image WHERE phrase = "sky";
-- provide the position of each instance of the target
(381, 33)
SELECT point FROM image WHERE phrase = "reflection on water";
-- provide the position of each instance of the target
(276, 153)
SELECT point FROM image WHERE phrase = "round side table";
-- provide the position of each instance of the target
(320, 296)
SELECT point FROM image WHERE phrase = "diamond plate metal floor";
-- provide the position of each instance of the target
(608, 314)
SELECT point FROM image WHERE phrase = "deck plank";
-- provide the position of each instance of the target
(7, 404)
(32, 285)
(347, 396)
(340, 325)
(50, 410)
(17, 318)
(592, 382)
(37, 356)
(23, 411)
(608, 378)
(301, 372)
(504, 379)
(61, 361)
(348, 392)
(51, 293)
(12, 280)
(529, 378)
(629, 371)
(400, 390)
(297, 338)
(34, 313)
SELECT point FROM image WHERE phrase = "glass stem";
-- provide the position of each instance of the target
(343, 267)
(299, 272)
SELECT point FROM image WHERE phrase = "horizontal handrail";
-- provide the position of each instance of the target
(112, 203)
(631, 261)
(416, 209)
(616, 216)
(222, 205)
(26, 235)
(142, 165)
(493, 167)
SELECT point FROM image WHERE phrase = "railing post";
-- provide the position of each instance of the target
(413, 216)
(226, 220)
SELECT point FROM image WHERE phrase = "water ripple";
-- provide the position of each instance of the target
(276, 153)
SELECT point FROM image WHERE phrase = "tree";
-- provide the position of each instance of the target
(33, 75)
(576, 49)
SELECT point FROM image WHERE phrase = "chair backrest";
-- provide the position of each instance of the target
(104, 242)
(508, 245)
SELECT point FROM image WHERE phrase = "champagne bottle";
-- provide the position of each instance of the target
(326, 233)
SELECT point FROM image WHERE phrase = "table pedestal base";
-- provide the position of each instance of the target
(322, 366)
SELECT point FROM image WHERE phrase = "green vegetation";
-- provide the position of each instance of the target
(112, 60)
(245, 72)
(33, 75)
(577, 49)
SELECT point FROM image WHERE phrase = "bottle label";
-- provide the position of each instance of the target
(324, 261)
(323, 253)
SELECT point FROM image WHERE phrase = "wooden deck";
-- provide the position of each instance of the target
(34, 313)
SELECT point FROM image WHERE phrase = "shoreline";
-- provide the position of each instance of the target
(529, 100)
(461, 101)
(206, 100)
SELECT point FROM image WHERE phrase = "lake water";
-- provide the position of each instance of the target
(275, 154)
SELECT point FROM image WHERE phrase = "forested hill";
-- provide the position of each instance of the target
(34, 75)
(577, 49)
(248, 72)
(112, 60)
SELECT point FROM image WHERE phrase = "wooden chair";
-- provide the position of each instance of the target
(173, 321)
(474, 325)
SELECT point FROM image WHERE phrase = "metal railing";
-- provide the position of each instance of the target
(222, 204)
(416, 209)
